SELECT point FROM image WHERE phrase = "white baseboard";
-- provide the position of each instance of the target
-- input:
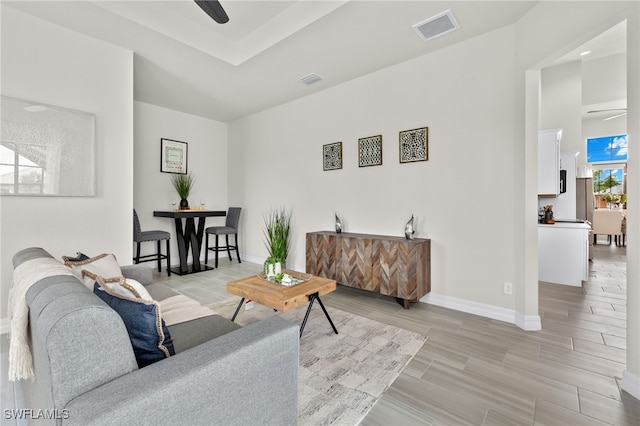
(5, 325)
(631, 384)
(528, 322)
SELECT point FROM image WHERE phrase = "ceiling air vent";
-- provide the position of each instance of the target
(310, 79)
(436, 26)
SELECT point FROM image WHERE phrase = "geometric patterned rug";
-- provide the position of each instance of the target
(341, 375)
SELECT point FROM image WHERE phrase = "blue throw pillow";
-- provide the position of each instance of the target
(148, 333)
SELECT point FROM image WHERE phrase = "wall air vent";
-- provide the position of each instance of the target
(436, 26)
(310, 79)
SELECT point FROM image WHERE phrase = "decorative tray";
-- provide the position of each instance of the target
(287, 280)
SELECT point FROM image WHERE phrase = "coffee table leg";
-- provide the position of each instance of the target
(327, 314)
(312, 298)
(237, 310)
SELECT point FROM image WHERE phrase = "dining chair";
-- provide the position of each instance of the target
(230, 228)
(607, 222)
(140, 236)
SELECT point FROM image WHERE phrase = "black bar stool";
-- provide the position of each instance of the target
(140, 236)
(230, 228)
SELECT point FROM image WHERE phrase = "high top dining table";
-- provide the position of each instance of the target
(189, 236)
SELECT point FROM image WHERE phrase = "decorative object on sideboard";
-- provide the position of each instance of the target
(414, 145)
(278, 237)
(408, 229)
(183, 185)
(332, 156)
(338, 224)
(173, 156)
(370, 151)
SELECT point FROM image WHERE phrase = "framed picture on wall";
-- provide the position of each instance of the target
(332, 156)
(414, 145)
(370, 151)
(46, 150)
(173, 156)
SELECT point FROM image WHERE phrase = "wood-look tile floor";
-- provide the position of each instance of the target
(477, 371)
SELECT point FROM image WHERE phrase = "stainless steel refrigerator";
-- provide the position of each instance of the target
(584, 205)
(584, 199)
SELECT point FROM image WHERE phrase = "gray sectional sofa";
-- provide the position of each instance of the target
(86, 372)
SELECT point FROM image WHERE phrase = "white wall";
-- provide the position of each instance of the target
(561, 104)
(207, 160)
(605, 79)
(45, 63)
(465, 95)
(545, 33)
(631, 375)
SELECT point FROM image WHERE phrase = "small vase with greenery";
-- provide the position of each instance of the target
(614, 200)
(183, 185)
(278, 236)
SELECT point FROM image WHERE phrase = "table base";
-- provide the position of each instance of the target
(190, 269)
(312, 298)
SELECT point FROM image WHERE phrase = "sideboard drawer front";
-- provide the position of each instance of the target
(321, 252)
(353, 263)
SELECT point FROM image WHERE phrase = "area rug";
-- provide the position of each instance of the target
(341, 375)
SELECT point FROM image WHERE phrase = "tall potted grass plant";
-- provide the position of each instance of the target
(183, 183)
(277, 240)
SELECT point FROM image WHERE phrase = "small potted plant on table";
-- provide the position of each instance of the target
(278, 235)
(183, 183)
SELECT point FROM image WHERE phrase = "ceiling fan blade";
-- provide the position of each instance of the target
(214, 9)
(615, 116)
(605, 110)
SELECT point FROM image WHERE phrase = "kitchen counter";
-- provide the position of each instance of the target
(563, 253)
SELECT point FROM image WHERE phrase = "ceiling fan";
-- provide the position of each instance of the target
(214, 9)
(610, 109)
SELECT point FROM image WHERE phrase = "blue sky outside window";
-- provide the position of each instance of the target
(607, 149)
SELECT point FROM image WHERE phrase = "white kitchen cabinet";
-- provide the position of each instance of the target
(563, 253)
(549, 162)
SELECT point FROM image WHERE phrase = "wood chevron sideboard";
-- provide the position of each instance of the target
(393, 266)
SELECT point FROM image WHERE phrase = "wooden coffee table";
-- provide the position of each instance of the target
(282, 298)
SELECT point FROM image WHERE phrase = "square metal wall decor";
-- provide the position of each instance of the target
(332, 156)
(414, 145)
(370, 151)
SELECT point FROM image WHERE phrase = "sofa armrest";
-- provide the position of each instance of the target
(140, 273)
(248, 376)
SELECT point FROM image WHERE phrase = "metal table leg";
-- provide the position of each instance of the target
(237, 310)
(312, 298)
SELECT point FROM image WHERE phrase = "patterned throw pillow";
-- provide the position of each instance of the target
(148, 333)
(104, 265)
(124, 286)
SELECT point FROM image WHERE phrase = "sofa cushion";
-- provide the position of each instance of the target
(180, 308)
(148, 333)
(104, 265)
(160, 291)
(190, 334)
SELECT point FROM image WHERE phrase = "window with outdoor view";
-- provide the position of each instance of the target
(608, 157)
